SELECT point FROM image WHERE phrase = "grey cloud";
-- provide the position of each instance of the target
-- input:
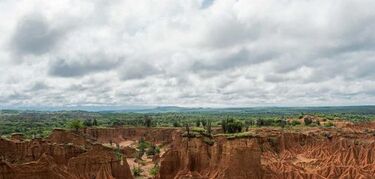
(137, 70)
(228, 31)
(39, 86)
(16, 96)
(273, 78)
(34, 35)
(240, 58)
(80, 67)
(354, 67)
(207, 3)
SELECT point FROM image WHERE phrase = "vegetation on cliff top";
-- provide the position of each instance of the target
(40, 124)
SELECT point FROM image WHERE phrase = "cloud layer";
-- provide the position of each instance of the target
(188, 53)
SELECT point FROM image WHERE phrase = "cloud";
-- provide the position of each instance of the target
(37, 86)
(33, 35)
(137, 70)
(193, 53)
(80, 67)
(239, 58)
(207, 3)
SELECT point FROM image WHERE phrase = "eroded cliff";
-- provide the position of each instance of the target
(62, 155)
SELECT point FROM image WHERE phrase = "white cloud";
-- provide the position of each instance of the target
(193, 53)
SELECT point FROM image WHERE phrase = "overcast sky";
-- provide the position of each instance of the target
(210, 53)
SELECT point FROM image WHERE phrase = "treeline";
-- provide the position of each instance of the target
(41, 123)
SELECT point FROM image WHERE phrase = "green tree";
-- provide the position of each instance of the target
(204, 122)
(75, 124)
(224, 125)
(187, 128)
(147, 121)
(198, 123)
(95, 123)
(283, 122)
(231, 126)
(176, 124)
(208, 127)
(87, 123)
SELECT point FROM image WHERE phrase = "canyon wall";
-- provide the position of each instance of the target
(194, 158)
(62, 155)
(116, 135)
(311, 154)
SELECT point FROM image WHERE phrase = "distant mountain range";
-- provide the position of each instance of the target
(176, 109)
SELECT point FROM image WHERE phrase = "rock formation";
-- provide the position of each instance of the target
(314, 153)
(106, 135)
(311, 152)
(194, 158)
(62, 155)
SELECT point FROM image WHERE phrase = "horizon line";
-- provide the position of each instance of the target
(151, 107)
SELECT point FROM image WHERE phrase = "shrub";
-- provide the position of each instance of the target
(329, 124)
(198, 129)
(198, 123)
(154, 170)
(314, 125)
(176, 124)
(231, 126)
(208, 141)
(204, 123)
(137, 171)
(118, 152)
(295, 123)
(282, 123)
(152, 150)
(307, 121)
(142, 145)
(87, 123)
(263, 122)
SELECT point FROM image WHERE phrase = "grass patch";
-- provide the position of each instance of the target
(208, 141)
(237, 135)
(329, 124)
(137, 171)
(154, 170)
(198, 129)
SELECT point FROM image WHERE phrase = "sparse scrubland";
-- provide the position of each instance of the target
(233, 120)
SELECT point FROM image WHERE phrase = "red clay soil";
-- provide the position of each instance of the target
(54, 158)
(100, 162)
(117, 135)
(312, 153)
(43, 168)
(62, 136)
(193, 158)
(307, 152)
(26, 151)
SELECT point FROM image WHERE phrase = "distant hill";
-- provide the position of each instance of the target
(177, 109)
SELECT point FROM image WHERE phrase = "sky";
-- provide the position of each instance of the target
(195, 53)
